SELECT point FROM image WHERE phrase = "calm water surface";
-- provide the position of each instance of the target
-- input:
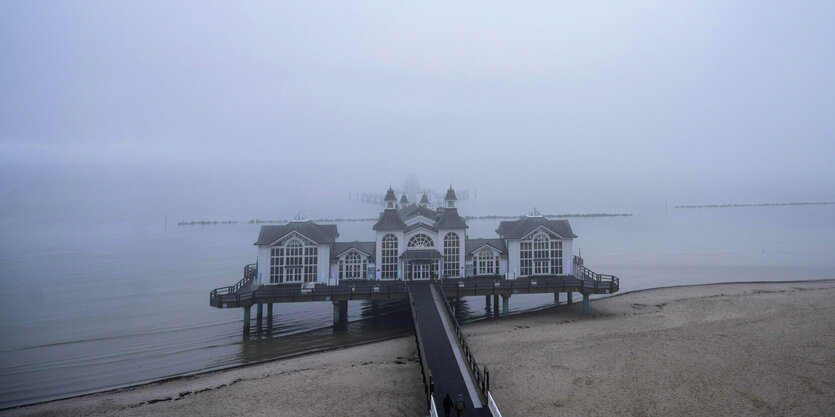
(88, 306)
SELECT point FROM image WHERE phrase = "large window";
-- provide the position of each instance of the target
(388, 259)
(487, 262)
(452, 255)
(352, 267)
(541, 255)
(420, 241)
(293, 260)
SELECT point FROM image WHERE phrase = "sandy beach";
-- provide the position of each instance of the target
(727, 349)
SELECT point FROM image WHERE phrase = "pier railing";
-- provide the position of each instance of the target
(482, 378)
(367, 290)
(606, 284)
(600, 280)
(428, 385)
(249, 275)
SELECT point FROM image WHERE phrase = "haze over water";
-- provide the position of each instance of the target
(105, 304)
(116, 117)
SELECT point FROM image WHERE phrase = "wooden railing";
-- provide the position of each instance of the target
(531, 284)
(249, 275)
(600, 280)
(482, 378)
(428, 384)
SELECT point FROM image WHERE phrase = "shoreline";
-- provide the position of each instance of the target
(304, 356)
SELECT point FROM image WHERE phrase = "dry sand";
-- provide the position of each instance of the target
(729, 349)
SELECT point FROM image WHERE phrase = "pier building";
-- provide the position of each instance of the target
(422, 254)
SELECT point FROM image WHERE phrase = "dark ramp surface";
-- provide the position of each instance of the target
(440, 348)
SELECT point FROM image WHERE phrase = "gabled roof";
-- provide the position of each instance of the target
(319, 233)
(413, 210)
(390, 195)
(389, 220)
(517, 229)
(450, 194)
(473, 245)
(450, 219)
(419, 225)
(368, 248)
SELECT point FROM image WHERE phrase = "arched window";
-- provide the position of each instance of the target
(420, 241)
(541, 255)
(452, 256)
(353, 266)
(487, 262)
(388, 261)
(293, 260)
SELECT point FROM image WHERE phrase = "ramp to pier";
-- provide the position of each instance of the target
(443, 355)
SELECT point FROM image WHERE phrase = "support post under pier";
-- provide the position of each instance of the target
(340, 313)
(556, 298)
(270, 311)
(487, 302)
(585, 304)
(246, 320)
(259, 312)
(496, 304)
(568, 297)
(505, 305)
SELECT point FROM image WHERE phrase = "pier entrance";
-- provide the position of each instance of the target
(420, 271)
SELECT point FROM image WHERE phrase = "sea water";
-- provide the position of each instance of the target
(90, 305)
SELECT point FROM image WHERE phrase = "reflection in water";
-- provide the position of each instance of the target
(378, 320)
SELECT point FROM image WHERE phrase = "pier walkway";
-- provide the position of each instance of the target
(440, 352)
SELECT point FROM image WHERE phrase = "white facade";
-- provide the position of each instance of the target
(531, 245)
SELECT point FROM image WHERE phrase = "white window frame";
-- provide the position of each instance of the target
(487, 262)
(420, 240)
(388, 257)
(294, 260)
(541, 254)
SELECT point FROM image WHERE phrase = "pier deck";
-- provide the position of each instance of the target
(243, 296)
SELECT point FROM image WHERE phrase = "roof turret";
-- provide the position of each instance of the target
(449, 199)
(404, 201)
(450, 194)
(424, 200)
(390, 195)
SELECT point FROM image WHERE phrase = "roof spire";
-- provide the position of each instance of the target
(300, 217)
(390, 199)
(534, 213)
(450, 198)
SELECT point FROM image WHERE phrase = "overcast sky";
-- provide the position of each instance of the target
(195, 102)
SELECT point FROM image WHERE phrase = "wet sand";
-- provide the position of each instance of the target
(728, 349)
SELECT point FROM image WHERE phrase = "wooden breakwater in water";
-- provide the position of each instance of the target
(821, 203)
(205, 222)
(486, 217)
(371, 219)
